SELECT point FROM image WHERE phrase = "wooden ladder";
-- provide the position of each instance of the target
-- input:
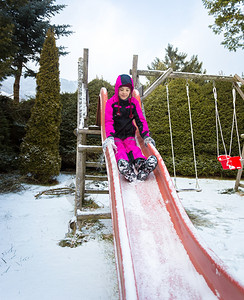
(82, 149)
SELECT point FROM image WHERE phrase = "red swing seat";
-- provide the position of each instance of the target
(230, 163)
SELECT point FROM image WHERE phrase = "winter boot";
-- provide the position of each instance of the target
(126, 169)
(139, 163)
(147, 167)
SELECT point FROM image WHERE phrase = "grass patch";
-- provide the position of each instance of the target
(88, 230)
(198, 220)
(10, 183)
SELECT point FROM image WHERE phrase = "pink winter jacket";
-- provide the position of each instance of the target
(119, 114)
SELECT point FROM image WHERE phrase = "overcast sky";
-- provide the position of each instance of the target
(114, 30)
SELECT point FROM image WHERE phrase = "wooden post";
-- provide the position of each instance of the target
(85, 82)
(134, 71)
(79, 191)
(82, 108)
(80, 172)
(239, 173)
(85, 66)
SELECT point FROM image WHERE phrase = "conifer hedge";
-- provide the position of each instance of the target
(94, 88)
(67, 145)
(40, 148)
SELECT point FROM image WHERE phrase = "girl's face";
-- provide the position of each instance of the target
(124, 92)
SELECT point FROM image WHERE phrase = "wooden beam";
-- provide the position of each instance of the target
(239, 90)
(157, 83)
(238, 78)
(186, 75)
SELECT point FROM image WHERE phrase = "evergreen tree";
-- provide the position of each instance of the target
(94, 88)
(173, 59)
(25, 24)
(157, 64)
(40, 147)
(177, 61)
(7, 49)
(193, 66)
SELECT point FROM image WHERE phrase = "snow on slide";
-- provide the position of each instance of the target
(162, 266)
(158, 253)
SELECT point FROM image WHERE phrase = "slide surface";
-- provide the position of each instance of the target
(158, 252)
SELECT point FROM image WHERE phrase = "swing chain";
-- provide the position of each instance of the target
(227, 161)
(197, 187)
(192, 135)
(187, 89)
(218, 121)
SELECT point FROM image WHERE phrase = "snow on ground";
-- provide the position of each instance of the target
(34, 266)
(219, 218)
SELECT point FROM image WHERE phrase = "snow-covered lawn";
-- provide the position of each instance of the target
(34, 266)
(219, 218)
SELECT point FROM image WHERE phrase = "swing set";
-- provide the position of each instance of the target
(227, 161)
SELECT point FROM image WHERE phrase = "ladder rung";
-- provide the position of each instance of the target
(90, 131)
(93, 215)
(95, 127)
(93, 191)
(92, 164)
(90, 148)
(95, 177)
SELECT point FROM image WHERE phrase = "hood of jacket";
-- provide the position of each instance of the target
(123, 79)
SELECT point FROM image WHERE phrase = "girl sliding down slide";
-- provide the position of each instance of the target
(120, 112)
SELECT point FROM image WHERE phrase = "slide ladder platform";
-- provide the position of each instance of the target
(159, 254)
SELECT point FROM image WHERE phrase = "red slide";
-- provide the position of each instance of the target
(158, 252)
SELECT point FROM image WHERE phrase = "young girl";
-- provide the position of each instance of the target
(120, 112)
